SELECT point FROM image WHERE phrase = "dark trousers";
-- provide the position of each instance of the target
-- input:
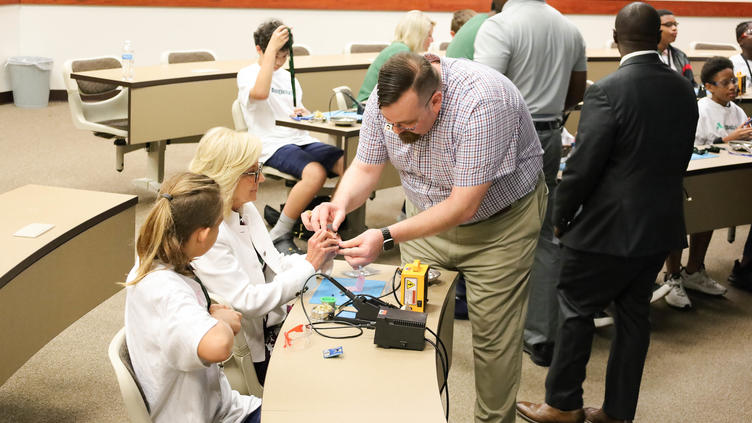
(588, 283)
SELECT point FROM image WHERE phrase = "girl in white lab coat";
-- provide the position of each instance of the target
(243, 266)
(175, 338)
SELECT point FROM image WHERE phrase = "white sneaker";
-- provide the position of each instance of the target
(700, 281)
(603, 319)
(660, 292)
(677, 297)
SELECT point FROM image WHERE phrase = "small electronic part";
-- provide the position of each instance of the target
(400, 329)
(333, 352)
(322, 312)
(329, 300)
(414, 286)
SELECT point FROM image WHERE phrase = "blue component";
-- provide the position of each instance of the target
(333, 352)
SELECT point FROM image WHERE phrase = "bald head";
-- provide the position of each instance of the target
(638, 27)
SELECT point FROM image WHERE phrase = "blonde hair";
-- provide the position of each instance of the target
(223, 155)
(186, 202)
(413, 30)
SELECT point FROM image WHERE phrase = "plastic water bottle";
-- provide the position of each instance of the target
(128, 59)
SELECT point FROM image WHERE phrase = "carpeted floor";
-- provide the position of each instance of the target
(698, 366)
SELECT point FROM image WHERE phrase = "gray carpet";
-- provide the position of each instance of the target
(697, 368)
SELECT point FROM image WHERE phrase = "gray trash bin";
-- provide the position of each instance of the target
(30, 80)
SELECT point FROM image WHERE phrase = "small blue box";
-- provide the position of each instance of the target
(333, 352)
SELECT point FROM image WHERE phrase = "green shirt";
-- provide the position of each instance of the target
(463, 43)
(372, 76)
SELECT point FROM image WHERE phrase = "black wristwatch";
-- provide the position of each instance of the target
(388, 241)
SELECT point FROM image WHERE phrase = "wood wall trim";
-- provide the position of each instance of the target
(680, 8)
(573, 7)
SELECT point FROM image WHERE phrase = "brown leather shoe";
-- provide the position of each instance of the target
(544, 413)
(597, 415)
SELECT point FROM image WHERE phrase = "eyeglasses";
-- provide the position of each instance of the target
(403, 128)
(670, 24)
(255, 174)
(726, 82)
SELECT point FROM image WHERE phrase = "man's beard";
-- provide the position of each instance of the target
(409, 137)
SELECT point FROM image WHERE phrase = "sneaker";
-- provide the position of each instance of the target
(677, 297)
(602, 319)
(741, 277)
(660, 291)
(700, 281)
(286, 246)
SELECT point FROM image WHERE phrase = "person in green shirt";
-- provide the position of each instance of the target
(413, 33)
(463, 43)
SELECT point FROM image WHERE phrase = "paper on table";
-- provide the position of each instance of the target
(371, 287)
(33, 230)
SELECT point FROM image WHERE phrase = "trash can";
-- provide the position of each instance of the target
(30, 80)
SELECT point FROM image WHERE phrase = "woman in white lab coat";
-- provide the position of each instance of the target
(243, 266)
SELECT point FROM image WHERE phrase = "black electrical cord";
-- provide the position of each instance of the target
(394, 289)
(444, 370)
(344, 325)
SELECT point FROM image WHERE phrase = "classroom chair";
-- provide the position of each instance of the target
(268, 171)
(704, 45)
(98, 107)
(186, 56)
(365, 47)
(301, 50)
(239, 368)
(133, 395)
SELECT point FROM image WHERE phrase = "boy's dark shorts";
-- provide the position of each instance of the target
(292, 158)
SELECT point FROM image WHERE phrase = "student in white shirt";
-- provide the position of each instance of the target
(265, 91)
(720, 120)
(743, 61)
(243, 267)
(175, 339)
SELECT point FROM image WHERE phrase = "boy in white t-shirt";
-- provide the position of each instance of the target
(720, 120)
(743, 62)
(265, 92)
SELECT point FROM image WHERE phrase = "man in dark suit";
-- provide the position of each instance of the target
(618, 212)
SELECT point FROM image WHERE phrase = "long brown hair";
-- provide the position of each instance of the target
(186, 202)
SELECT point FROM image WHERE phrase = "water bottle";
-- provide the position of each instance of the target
(128, 61)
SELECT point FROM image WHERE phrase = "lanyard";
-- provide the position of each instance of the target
(203, 289)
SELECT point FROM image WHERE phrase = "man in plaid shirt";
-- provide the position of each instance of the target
(470, 162)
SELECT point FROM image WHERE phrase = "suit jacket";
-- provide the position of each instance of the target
(621, 193)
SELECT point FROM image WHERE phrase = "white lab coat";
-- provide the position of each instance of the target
(231, 269)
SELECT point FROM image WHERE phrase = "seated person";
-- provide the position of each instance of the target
(413, 33)
(743, 61)
(670, 55)
(243, 267)
(459, 18)
(720, 121)
(175, 337)
(463, 43)
(265, 93)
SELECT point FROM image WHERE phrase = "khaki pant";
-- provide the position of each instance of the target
(495, 256)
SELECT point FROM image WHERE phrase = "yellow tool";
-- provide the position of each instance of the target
(414, 286)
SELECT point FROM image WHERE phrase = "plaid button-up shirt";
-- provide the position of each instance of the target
(483, 133)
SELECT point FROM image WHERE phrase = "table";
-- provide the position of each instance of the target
(49, 282)
(717, 195)
(346, 138)
(180, 102)
(367, 383)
